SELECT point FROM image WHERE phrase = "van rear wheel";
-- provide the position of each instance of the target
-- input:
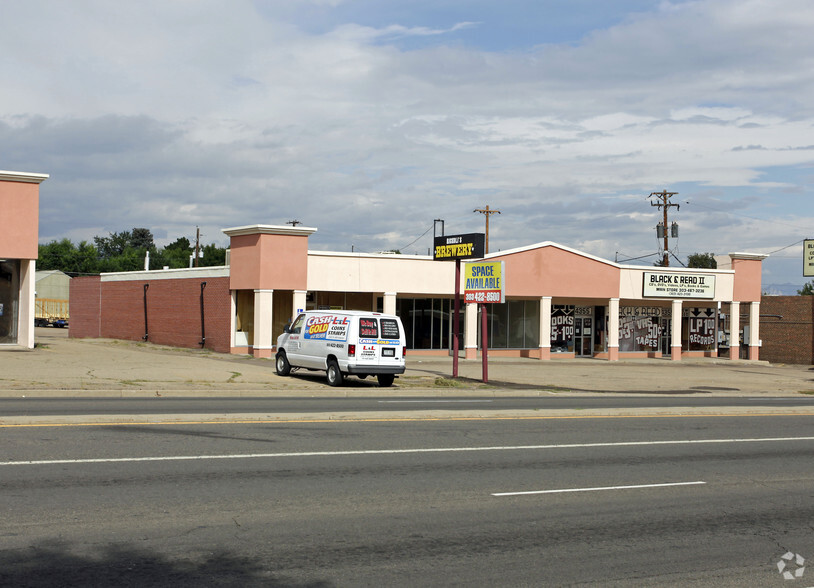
(385, 380)
(334, 375)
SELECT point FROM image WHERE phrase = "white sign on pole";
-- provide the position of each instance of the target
(808, 258)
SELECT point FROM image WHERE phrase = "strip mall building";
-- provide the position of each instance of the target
(560, 303)
(19, 230)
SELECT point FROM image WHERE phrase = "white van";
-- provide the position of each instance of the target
(343, 342)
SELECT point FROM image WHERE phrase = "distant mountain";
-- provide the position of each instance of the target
(781, 289)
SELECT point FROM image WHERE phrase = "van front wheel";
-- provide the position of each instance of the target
(334, 375)
(385, 380)
(282, 365)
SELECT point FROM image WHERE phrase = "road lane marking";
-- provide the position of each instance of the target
(598, 489)
(401, 451)
(432, 401)
(342, 419)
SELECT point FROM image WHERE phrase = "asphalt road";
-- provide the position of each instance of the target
(250, 405)
(633, 501)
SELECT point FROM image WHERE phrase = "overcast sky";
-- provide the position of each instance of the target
(367, 119)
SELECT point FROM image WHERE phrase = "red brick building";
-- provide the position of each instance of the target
(787, 329)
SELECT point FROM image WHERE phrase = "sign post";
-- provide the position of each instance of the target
(455, 248)
(485, 283)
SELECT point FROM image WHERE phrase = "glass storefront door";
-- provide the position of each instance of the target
(583, 336)
(9, 300)
(666, 337)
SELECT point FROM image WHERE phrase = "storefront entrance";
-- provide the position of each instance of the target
(666, 337)
(9, 300)
(583, 334)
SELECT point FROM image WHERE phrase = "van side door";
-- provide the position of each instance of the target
(293, 347)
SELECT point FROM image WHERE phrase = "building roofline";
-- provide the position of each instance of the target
(28, 178)
(269, 230)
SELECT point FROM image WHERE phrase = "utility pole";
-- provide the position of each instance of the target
(488, 213)
(197, 244)
(663, 202)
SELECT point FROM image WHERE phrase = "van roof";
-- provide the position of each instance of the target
(348, 312)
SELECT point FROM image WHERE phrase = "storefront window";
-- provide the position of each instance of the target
(698, 329)
(9, 300)
(639, 328)
(427, 321)
(562, 328)
(514, 324)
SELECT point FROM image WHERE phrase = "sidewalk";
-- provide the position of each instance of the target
(60, 366)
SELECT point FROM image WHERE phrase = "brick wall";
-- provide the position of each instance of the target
(173, 311)
(787, 329)
(84, 306)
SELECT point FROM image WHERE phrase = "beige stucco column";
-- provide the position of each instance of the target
(675, 334)
(25, 316)
(734, 330)
(545, 327)
(613, 329)
(298, 303)
(389, 303)
(263, 315)
(754, 331)
(470, 331)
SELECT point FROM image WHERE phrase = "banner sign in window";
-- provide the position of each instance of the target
(808, 258)
(452, 247)
(675, 285)
(484, 281)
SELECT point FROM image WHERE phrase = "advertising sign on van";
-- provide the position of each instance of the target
(327, 327)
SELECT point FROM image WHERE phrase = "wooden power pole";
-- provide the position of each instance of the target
(663, 202)
(197, 245)
(487, 213)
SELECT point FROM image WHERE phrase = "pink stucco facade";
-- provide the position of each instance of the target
(19, 235)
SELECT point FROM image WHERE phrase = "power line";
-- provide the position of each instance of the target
(786, 247)
(764, 220)
(419, 237)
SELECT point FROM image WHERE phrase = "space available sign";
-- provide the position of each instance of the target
(484, 281)
(808, 258)
(452, 247)
(675, 285)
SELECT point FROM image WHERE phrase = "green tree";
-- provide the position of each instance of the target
(63, 255)
(702, 260)
(175, 255)
(115, 244)
(213, 255)
(808, 289)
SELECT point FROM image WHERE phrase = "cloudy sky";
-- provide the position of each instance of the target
(370, 118)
